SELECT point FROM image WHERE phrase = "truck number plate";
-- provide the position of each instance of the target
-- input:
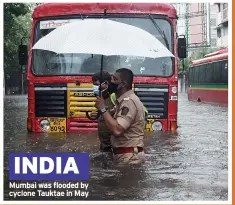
(57, 124)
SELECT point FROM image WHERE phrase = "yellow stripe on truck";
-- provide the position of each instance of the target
(82, 85)
(82, 109)
(82, 104)
(80, 114)
(85, 99)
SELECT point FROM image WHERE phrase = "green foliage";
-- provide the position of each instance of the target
(15, 9)
(201, 53)
(184, 67)
(195, 55)
(17, 24)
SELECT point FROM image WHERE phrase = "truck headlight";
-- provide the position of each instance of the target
(157, 126)
(45, 125)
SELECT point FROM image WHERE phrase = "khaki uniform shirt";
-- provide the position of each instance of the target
(131, 116)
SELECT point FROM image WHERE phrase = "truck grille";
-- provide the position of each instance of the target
(154, 98)
(50, 101)
(81, 100)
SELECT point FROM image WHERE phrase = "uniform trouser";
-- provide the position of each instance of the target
(129, 158)
(104, 137)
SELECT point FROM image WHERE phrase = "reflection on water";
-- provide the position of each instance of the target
(188, 165)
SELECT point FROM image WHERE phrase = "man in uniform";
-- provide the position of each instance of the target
(127, 124)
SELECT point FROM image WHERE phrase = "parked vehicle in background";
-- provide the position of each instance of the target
(208, 78)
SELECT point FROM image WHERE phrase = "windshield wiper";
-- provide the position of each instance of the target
(160, 31)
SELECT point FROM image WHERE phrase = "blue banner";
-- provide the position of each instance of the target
(49, 166)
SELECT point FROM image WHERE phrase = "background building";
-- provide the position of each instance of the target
(205, 26)
(222, 25)
(198, 22)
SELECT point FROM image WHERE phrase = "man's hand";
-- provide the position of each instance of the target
(100, 104)
(93, 114)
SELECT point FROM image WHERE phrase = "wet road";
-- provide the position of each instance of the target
(189, 165)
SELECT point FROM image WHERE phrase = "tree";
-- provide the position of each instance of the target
(17, 24)
(184, 67)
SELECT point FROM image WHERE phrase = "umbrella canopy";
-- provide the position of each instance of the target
(103, 37)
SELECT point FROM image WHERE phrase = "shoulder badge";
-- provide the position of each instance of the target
(125, 110)
(126, 98)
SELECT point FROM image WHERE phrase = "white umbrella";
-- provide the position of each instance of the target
(104, 37)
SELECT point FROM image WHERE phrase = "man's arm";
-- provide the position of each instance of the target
(125, 116)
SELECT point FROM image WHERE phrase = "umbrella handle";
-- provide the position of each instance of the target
(92, 118)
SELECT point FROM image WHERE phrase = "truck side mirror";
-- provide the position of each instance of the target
(182, 51)
(23, 54)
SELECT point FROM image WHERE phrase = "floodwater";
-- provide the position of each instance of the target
(189, 165)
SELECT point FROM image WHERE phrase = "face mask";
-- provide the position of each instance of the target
(96, 90)
(112, 88)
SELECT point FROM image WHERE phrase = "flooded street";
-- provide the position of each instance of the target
(189, 165)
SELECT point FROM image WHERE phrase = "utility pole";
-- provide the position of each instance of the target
(22, 71)
(22, 81)
(204, 7)
(187, 23)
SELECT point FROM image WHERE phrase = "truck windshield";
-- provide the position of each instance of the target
(50, 63)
